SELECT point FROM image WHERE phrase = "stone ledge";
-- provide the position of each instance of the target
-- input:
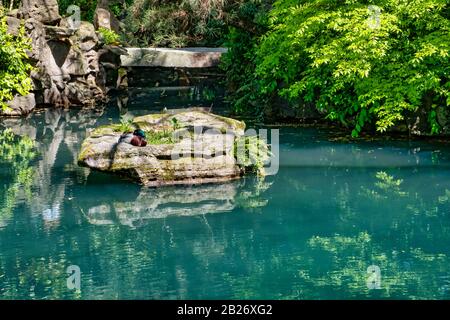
(172, 58)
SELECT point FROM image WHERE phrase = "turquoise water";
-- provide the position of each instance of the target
(310, 232)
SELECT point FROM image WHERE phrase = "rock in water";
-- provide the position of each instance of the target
(189, 147)
(20, 105)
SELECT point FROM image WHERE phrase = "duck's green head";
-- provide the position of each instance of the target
(139, 132)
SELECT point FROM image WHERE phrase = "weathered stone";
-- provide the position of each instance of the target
(75, 63)
(92, 61)
(13, 13)
(200, 151)
(20, 105)
(45, 11)
(13, 25)
(66, 64)
(85, 36)
(36, 32)
(104, 18)
(116, 50)
(55, 32)
(181, 58)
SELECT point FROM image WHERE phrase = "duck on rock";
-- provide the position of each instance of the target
(137, 138)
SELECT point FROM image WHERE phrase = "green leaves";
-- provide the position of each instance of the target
(109, 36)
(14, 66)
(331, 53)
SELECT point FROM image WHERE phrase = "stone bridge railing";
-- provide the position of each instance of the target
(172, 58)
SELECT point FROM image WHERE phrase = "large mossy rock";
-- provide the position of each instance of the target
(203, 145)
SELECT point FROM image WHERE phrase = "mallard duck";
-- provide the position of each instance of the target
(126, 137)
(137, 138)
(138, 141)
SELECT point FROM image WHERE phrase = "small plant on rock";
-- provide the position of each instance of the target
(109, 36)
(126, 124)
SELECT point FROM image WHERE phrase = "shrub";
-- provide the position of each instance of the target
(109, 36)
(14, 64)
(252, 153)
(179, 23)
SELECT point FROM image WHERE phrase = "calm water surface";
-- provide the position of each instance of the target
(310, 232)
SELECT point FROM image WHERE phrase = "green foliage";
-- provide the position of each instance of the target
(174, 23)
(160, 137)
(108, 36)
(120, 7)
(182, 23)
(15, 149)
(239, 62)
(14, 65)
(126, 124)
(175, 123)
(252, 153)
(337, 56)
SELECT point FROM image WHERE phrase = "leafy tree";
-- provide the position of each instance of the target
(359, 61)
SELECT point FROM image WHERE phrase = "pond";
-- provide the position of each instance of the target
(311, 231)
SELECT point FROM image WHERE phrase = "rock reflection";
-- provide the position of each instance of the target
(157, 203)
(56, 135)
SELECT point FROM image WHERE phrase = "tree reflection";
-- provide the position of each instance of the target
(16, 154)
(347, 259)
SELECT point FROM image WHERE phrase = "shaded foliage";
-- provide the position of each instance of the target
(239, 63)
(185, 23)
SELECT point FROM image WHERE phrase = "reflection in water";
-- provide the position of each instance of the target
(16, 153)
(157, 203)
(54, 132)
(311, 231)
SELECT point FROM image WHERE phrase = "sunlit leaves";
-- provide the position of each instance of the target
(14, 67)
(329, 53)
